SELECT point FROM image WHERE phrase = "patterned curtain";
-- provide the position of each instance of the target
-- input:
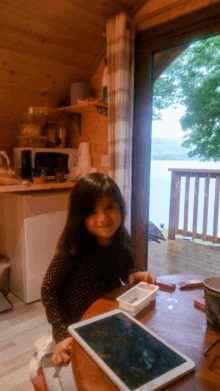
(120, 56)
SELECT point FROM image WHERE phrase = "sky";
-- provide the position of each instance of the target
(169, 126)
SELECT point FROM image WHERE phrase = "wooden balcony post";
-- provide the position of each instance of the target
(186, 205)
(195, 206)
(216, 208)
(206, 207)
(174, 205)
(171, 231)
(177, 191)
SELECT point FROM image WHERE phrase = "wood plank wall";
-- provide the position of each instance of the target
(44, 75)
(41, 55)
(27, 81)
(94, 126)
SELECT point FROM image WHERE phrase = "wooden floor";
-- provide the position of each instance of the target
(19, 329)
(27, 322)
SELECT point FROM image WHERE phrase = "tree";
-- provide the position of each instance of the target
(193, 80)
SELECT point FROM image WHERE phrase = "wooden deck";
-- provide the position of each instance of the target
(184, 257)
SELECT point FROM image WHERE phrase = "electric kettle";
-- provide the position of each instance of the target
(84, 158)
(5, 168)
(4, 154)
(84, 163)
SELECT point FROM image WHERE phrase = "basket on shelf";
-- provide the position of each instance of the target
(32, 141)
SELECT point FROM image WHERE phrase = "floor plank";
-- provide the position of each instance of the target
(19, 329)
(180, 256)
(18, 380)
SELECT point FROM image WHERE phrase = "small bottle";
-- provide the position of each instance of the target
(59, 176)
(26, 165)
(43, 176)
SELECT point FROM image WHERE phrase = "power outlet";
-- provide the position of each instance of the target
(105, 161)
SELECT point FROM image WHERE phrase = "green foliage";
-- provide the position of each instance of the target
(193, 80)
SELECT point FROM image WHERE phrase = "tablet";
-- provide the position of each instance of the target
(133, 356)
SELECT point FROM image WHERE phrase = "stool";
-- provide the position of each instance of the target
(4, 284)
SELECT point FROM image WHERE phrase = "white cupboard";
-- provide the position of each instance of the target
(31, 224)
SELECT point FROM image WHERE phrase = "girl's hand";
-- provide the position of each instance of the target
(141, 276)
(62, 352)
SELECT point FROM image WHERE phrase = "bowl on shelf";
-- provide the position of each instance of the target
(41, 110)
(27, 141)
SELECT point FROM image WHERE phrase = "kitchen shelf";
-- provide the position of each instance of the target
(36, 187)
(99, 104)
(76, 111)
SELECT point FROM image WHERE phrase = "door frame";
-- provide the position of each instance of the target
(182, 30)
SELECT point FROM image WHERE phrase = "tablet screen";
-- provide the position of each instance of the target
(132, 353)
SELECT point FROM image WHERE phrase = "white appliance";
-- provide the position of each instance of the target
(40, 237)
(31, 226)
(83, 165)
(51, 158)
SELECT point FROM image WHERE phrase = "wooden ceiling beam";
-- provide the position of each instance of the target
(163, 59)
(137, 6)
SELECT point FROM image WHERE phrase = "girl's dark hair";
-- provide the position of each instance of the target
(75, 239)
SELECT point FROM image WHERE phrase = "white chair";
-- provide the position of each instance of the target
(58, 378)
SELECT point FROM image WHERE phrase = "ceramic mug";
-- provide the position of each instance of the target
(59, 176)
(212, 302)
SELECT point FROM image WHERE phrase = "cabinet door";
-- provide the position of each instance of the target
(41, 236)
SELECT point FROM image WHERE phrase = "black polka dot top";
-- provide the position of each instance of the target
(71, 286)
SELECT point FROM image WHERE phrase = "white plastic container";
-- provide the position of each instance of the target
(78, 91)
(137, 298)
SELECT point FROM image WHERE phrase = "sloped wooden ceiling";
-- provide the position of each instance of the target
(68, 32)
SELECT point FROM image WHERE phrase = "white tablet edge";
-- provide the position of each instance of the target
(155, 384)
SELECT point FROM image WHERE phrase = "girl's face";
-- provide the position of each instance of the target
(104, 220)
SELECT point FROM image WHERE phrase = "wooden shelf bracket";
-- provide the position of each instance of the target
(102, 110)
(75, 111)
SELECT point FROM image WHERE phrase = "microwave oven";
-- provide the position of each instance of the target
(50, 158)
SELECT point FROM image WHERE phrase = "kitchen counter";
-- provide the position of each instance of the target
(52, 185)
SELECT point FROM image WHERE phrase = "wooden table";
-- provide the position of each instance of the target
(175, 319)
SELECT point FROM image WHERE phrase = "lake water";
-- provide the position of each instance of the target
(160, 193)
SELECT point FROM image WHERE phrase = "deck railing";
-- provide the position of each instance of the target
(175, 193)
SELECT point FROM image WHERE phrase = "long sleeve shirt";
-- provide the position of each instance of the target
(70, 286)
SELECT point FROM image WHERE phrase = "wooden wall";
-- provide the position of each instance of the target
(27, 81)
(43, 78)
(44, 47)
(94, 126)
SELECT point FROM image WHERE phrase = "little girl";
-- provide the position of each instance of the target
(94, 254)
